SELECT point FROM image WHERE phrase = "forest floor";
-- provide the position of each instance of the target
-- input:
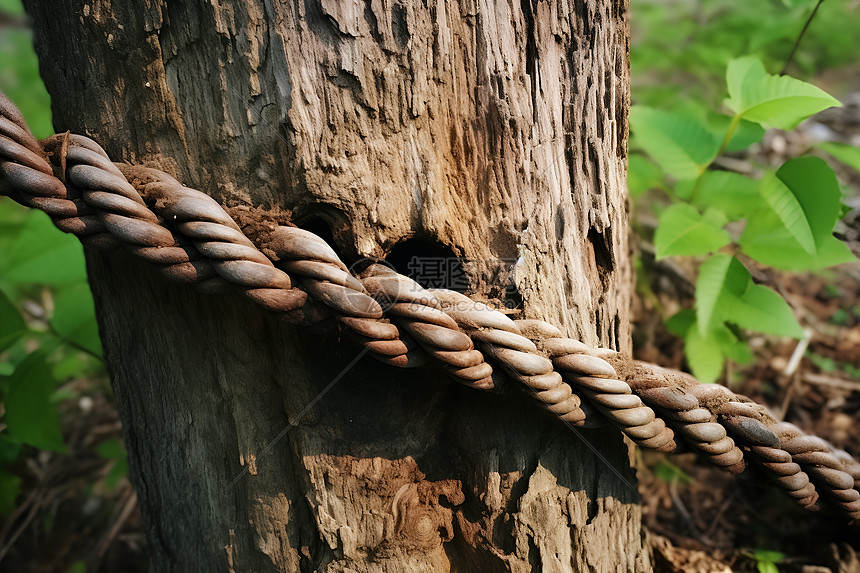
(704, 520)
(698, 519)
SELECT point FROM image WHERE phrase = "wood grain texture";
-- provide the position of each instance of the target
(496, 129)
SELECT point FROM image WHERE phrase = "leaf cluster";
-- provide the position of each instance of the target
(783, 219)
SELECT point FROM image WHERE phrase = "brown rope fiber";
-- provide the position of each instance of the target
(190, 238)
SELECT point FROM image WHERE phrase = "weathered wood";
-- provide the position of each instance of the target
(496, 130)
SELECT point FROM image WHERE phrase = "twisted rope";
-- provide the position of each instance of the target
(191, 239)
(499, 337)
(418, 312)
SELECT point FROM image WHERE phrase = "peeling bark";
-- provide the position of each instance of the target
(495, 130)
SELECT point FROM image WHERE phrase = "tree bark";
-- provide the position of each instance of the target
(495, 131)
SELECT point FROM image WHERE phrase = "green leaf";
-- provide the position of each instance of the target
(733, 347)
(642, 175)
(74, 317)
(12, 324)
(804, 193)
(63, 394)
(113, 449)
(9, 449)
(746, 133)
(847, 154)
(10, 488)
(704, 355)
(725, 293)
(30, 416)
(682, 230)
(763, 310)
(768, 237)
(681, 145)
(707, 353)
(786, 206)
(773, 101)
(766, 567)
(768, 555)
(721, 277)
(75, 365)
(40, 253)
(669, 472)
(118, 471)
(825, 363)
(814, 184)
(734, 194)
(12, 7)
(766, 240)
(12, 218)
(679, 323)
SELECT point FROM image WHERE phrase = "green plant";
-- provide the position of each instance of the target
(766, 560)
(784, 219)
(48, 333)
(53, 341)
(828, 365)
(668, 472)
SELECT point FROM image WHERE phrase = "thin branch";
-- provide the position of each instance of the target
(811, 378)
(74, 344)
(800, 37)
(125, 507)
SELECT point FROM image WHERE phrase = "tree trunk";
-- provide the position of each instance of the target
(493, 132)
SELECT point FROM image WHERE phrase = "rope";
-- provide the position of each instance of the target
(191, 239)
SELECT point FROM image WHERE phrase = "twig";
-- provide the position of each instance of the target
(681, 509)
(725, 505)
(830, 381)
(10, 521)
(790, 391)
(76, 345)
(34, 510)
(742, 166)
(798, 353)
(104, 543)
(800, 37)
(790, 371)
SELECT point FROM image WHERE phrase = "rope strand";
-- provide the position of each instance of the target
(190, 238)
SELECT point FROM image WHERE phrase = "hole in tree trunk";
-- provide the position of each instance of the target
(601, 246)
(429, 263)
(319, 227)
(331, 226)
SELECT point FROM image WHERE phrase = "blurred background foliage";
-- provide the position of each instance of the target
(680, 48)
(63, 485)
(59, 439)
